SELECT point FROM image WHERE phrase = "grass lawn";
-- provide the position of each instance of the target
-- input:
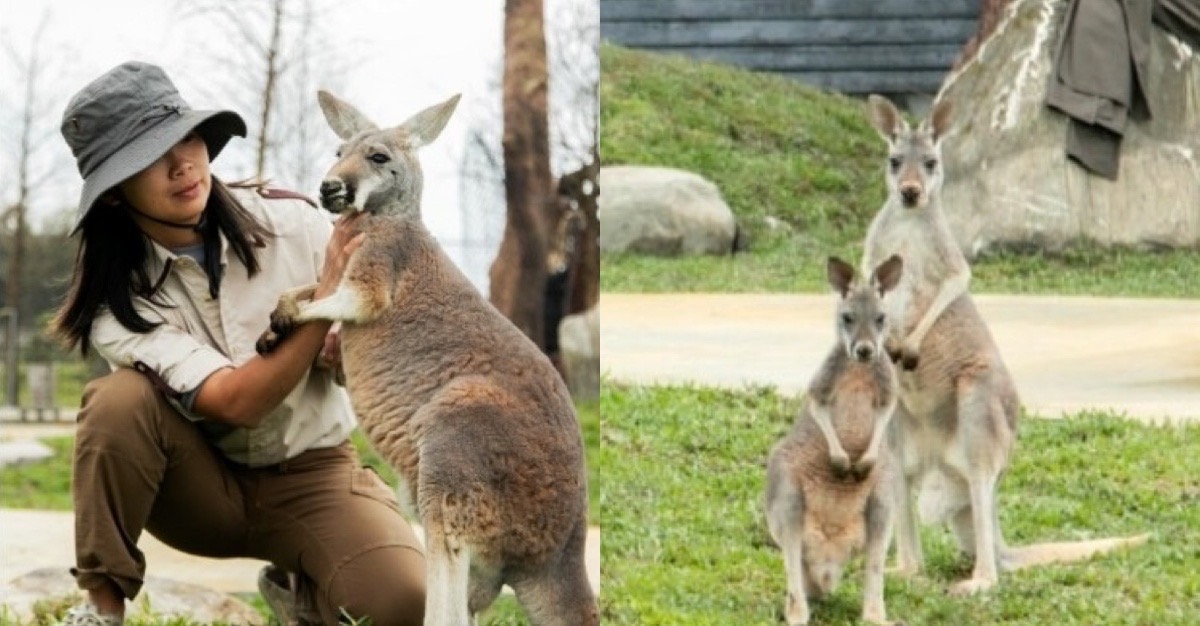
(47, 485)
(682, 472)
(808, 162)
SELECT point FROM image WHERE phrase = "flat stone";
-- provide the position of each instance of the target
(25, 451)
(662, 211)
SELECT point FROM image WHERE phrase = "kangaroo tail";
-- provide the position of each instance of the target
(1021, 557)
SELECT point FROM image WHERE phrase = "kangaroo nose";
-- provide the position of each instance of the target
(331, 187)
(910, 193)
(863, 351)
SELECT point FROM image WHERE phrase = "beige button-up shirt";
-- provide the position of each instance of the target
(201, 334)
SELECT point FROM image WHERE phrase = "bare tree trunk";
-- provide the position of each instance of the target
(269, 85)
(518, 275)
(30, 108)
(990, 14)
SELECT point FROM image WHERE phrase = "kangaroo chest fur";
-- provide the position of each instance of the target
(440, 358)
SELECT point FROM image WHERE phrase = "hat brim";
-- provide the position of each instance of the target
(215, 127)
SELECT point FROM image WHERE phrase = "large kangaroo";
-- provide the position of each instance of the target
(820, 506)
(958, 406)
(470, 413)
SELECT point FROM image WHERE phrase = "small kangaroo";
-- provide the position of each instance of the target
(470, 413)
(820, 507)
(957, 414)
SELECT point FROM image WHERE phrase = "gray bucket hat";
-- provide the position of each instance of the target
(122, 122)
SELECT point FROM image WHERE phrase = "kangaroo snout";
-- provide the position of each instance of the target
(864, 351)
(336, 195)
(910, 193)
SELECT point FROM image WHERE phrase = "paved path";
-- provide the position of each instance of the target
(35, 539)
(1066, 353)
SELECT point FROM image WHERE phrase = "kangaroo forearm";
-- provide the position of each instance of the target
(949, 291)
(820, 415)
(244, 395)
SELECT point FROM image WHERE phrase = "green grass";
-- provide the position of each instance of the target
(682, 472)
(779, 150)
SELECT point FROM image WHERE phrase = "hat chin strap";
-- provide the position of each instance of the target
(198, 226)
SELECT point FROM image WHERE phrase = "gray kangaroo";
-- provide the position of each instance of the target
(470, 413)
(957, 414)
(820, 507)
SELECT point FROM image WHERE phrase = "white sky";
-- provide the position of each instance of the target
(408, 54)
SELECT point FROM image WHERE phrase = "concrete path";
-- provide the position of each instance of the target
(1141, 357)
(33, 539)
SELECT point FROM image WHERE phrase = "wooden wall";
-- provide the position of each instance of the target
(853, 46)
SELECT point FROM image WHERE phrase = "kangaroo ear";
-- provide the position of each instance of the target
(886, 118)
(841, 275)
(422, 128)
(887, 275)
(940, 118)
(345, 120)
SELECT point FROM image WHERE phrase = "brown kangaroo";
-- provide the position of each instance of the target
(470, 413)
(957, 415)
(820, 507)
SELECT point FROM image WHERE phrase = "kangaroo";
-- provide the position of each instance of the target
(957, 414)
(471, 414)
(820, 507)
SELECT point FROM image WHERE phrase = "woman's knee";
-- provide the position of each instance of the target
(116, 406)
(385, 584)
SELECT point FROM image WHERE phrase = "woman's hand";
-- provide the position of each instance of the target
(344, 241)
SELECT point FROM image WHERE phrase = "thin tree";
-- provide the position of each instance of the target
(518, 275)
(33, 133)
(277, 47)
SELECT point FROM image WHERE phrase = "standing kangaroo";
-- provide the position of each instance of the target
(958, 406)
(820, 506)
(471, 414)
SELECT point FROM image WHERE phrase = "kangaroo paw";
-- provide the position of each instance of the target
(840, 464)
(267, 342)
(862, 468)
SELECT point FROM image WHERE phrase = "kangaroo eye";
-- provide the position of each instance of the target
(847, 319)
(895, 163)
(338, 154)
(879, 320)
(380, 158)
(930, 164)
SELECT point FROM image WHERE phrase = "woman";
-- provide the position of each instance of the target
(215, 450)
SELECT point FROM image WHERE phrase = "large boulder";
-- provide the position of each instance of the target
(579, 342)
(662, 211)
(1008, 178)
(160, 597)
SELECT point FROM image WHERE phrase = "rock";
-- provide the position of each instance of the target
(161, 597)
(19, 452)
(1008, 179)
(579, 344)
(662, 211)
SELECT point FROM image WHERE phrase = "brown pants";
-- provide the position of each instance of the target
(141, 465)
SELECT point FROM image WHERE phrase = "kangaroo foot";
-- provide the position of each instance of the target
(971, 586)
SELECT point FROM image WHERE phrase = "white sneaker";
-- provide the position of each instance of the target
(88, 615)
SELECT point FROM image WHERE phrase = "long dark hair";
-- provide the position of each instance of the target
(110, 266)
